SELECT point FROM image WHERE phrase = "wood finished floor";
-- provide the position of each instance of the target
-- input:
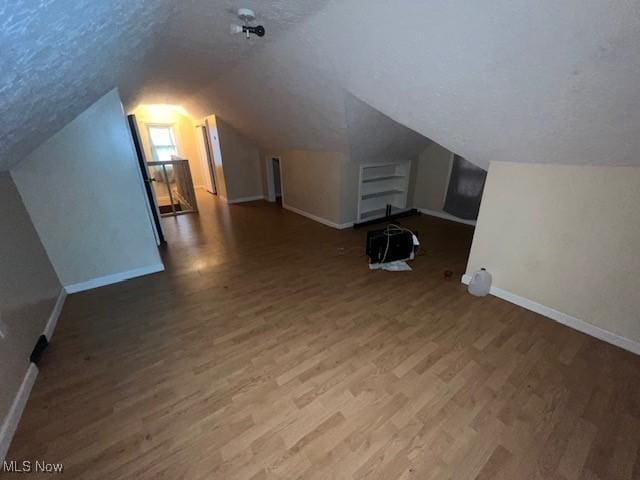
(269, 350)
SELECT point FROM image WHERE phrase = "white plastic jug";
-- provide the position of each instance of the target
(480, 283)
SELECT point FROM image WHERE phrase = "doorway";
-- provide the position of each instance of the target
(152, 201)
(273, 170)
(277, 179)
(206, 154)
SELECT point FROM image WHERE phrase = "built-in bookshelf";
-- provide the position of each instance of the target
(382, 190)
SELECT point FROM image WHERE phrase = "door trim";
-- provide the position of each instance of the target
(208, 152)
(151, 198)
(271, 183)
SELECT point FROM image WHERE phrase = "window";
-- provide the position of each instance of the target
(163, 142)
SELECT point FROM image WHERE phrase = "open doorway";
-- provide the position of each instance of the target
(170, 150)
(274, 179)
(152, 201)
(206, 155)
(277, 179)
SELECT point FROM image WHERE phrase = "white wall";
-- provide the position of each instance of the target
(28, 291)
(83, 191)
(242, 171)
(565, 237)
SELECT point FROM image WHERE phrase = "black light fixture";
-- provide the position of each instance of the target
(257, 30)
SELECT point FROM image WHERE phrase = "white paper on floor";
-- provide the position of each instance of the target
(397, 266)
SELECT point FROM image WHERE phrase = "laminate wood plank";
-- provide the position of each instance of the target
(269, 350)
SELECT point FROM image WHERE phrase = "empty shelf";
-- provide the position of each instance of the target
(381, 177)
(381, 194)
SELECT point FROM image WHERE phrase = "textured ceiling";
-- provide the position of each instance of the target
(510, 80)
(547, 81)
(60, 56)
(513, 80)
(194, 46)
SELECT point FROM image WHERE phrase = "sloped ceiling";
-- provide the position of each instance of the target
(512, 80)
(374, 137)
(59, 56)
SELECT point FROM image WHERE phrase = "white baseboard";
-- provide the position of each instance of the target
(55, 314)
(446, 216)
(10, 422)
(324, 221)
(115, 278)
(563, 318)
(244, 199)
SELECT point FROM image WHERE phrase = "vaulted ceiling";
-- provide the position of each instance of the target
(60, 56)
(512, 80)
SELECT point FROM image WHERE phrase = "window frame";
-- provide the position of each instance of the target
(173, 133)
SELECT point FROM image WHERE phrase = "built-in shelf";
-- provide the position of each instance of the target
(381, 177)
(373, 213)
(383, 193)
(382, 185)
(379, 212)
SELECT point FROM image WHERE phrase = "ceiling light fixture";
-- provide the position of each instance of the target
(247, 15)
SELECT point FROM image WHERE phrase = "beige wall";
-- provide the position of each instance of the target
(240, 163)
(28, 291)
(83, 191)
(427, 187)
(265, 164)
(185, 130)
(566, 237)
(431, 178)
(325, 184)
(313, 182)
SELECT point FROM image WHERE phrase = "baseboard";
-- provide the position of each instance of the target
(324, 221)
(563, 318)
(55, 314)
(10, 422)
(115, 278)
(244, 199)
(445, 216)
